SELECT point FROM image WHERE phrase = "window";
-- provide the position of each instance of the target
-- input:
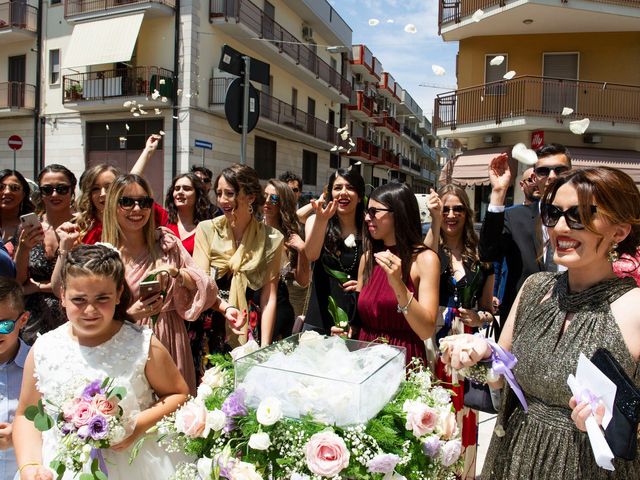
(54, 66)
(56, 2)
(309, 167)
(103, 140)
(264, 158)
(494, 73)
(334, 160)
(294, 101)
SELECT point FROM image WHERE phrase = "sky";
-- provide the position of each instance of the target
(407, 56)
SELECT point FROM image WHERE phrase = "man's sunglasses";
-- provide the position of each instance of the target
(545, 171)
(61, 189)
(8, 326)
(295, 189)
(206, 180)
(129, 202)
(373, 210)
(457, 209)
(551, 214)
(273, 199)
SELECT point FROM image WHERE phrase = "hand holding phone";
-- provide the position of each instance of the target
(29, 220)
(32, 232)
(150, 288)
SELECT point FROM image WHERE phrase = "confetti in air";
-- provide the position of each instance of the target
(373, 22)
(155, 94)
(579, 126)
(344, 135)
(136, 114)
(107, 127)
(126, 125)
(438, 70)
(509, 75)
(391, 20)
(157, 110)
(410, 28)
(162, 81)
(123, 139)
(567, 111)
(343, 129)
(523, 154)
(161, 132)
(477, 15)
(497, 60)
(127, 104)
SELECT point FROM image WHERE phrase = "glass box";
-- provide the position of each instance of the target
(335, 380)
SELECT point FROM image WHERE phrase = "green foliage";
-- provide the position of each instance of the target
(383, 429)
(41, 419)
(339, 316)
(337, 274)
(58, 467)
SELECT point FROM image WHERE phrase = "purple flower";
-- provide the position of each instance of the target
(383, 463)
(67, 428)
(234, 405)
(92, 389)
(98, 427)
(225, 465)
(83, 432)
(431, 446)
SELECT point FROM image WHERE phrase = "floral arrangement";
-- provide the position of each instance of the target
(88, 420)
(414, 436)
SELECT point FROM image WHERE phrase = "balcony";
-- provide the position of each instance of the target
(80, 10)
(18, 22)
(365, 63)
(412, 135)
(279, 117)
(388, 124)
(387, 87)
(530, 102)
(505, 17)
(324, 19)
(366, 151)
(361, 106)
(17, 99)
(105, 90)
(390, 159)
(245, 18)
(407, 104)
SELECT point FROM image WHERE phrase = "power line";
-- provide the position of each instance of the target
(439, 87)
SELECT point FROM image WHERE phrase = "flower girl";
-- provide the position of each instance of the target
(99, 344)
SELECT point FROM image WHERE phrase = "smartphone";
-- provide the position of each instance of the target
(29, 220)
(149, 288)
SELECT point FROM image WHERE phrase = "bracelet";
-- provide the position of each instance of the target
(404, 310)
(230, 306)
(177, 274)
(29, 464)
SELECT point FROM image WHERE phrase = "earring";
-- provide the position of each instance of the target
(251, 209)
(612, 254)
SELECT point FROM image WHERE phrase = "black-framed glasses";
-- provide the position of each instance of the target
(551, 214)
(8, 326)
(273, 199)
(371, 211)
(545, 171)
(206, 180)
(128, 203)
(60, 189)
(457, 209)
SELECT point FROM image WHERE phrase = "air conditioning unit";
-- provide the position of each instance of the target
(492, 139)
(592, 138)
(307, 32)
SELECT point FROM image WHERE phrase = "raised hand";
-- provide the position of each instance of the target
(464, 350)
(324, 211)
(499, 173)
(295, 242)
(434, 204)
(68, 236)
(391, 265)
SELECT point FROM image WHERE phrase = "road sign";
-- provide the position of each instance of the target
(15, 142)
(231, 61)
(234, 102)
(204, 144)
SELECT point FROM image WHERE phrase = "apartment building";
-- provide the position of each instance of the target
(578, 55)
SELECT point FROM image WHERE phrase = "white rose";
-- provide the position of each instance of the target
(204, 466)
(245, 471)
(440, 396)
(117, 434)
(244, 350)
(308, 337)
(450, 452)
(350, 241)
(269, 411)
(260, 441)
(204, 391)
(216, 420)
(214, 377)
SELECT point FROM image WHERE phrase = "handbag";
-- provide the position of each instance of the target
(477, 396)
(622, 432)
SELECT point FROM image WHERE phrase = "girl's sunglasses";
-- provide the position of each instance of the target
(7, 326)
(551, 214)
(61, 189)
(128, 203)
(457, 209)
(273, 199)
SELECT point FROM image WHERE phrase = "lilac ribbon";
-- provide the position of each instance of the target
(97, 453)
(587, 396)
(502, 364)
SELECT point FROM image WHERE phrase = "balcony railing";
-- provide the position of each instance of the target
(17, 95)
(18, 15)
(388, 82)
(122, 82)
(366, 149)
(390, 158)
(538, 97)
(78, 7)
(361, 101)
(278, 112)
(390, 123)
(265, 27)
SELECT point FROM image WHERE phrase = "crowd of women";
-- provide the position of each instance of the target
(225, 271)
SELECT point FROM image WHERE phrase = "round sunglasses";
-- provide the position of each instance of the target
(551, 214)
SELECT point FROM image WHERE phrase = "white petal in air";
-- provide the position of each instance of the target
(410, 28)
(155, 94)
(497, 60)
(509, 75)
(340, 149)
(344, 135)
(133, 109)
(523, 154)
(123, 139)
(390, 20)
(477, 15)
(343, 129)
(579, 126)
(157, 110)
(373, 22)
(107, 127)
(567, 111)
(127, 104)
(334, 148)
(136, 114)
(162, 81)
(438, 70)
(126, 125)
(351, 143)
(164, 99)
(161, 132)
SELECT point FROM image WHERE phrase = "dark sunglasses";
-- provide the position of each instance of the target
(545, 171)
(273, 199)
(143, 202)
(13, 187)
(551, 214)
(206, 180)
(60, 189)
(8, 326)
(457, 209)
(295, 190)
(373, 210)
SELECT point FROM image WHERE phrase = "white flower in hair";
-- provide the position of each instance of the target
(108, 245)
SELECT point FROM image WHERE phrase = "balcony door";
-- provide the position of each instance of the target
(268, 21)
(560, 70)
(17, 78)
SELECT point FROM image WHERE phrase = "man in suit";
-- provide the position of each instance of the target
(517, 233)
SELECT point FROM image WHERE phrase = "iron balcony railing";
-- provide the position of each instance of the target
(77, 7)
(121, 82)
(17, 95)
(366, 149)
(361, 101)
(531, 96)
(249, 14)
(388, 122)
(18, 15)
(278, 112)
(390, 158)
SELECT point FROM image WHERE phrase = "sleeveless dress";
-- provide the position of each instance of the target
(62, 365)
(379, 317)
(544, 444)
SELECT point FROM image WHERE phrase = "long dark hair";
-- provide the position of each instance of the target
(201, 207)
(288, 223)
(26, 206)
(57, 168)
(334, 234)
(406, 222)
(243, 178)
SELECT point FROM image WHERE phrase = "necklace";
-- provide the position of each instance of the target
(350, 268)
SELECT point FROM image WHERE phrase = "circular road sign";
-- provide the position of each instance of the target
(15, 142)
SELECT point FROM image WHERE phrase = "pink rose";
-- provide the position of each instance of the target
(448, 426)
(421, 418)
(326, 454)
(105, 406)
(191, 419)
(82, 414)
(69, 408)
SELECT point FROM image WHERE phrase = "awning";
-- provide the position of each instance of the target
(626, 160)
(472, 167)
(108, 40)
